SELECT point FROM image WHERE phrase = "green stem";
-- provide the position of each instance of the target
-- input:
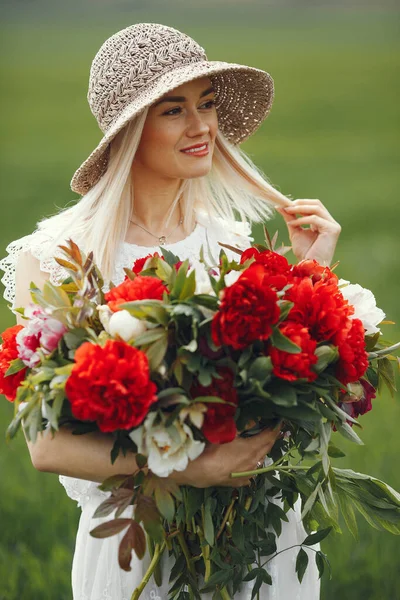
(289, 548)
(157, 570)
(225, 594)
(226, 517)
(158, 550)
(268, 470)
(185, 550)
(384, 351)
(247, 505)
(205, 550)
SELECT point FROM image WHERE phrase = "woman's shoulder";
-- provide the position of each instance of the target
(33, 246)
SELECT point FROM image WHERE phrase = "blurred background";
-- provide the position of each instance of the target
(332, 134)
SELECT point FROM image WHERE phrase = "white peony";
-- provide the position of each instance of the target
(203, 284)
(121, 323)
(364, 304)
(167, 448)
(232, 277)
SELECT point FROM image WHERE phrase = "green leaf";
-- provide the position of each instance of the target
(319, 560)
(347, 432)
(54, 295)
(347, 510)
(282, 342)
(213, 399)
(151, 335)
(282, 394)
(141, 460)
(285, 307)
(220, 577)
(189, 286)
(163, 270)
(210, 302)
(16, 365)
(326, 354)
(260, 368)
(301, 564)
(310, 501)
(316, 537)
(165, 503)
(335, 452)
(208, 523)
(194, 500)
(386, 376)
(156, 352)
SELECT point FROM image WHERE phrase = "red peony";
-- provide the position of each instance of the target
(320, 307)
(294, 366)
(8, 352)
(143, 287)
(139, 263)
(311, 268)
(275, 263)
(219, 426)
(247, 312)
(276, 266)
(110, 385)
(353, 358)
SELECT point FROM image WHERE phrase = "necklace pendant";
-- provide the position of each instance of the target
(162, 240)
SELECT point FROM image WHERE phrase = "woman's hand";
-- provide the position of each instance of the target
(319, 241)
(214, 466)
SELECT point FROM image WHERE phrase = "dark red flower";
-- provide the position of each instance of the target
(219, 425)
(321, 307)
(8, 352)
(355, 406)
(353, 358)
(110, 385)
(143, 287)
(247, 311)
(294, 366)
(205, 349)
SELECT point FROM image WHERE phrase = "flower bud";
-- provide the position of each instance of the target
(122, 323)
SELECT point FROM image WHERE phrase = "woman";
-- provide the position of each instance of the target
(157, 98)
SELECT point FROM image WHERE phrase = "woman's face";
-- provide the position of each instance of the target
(184, 117)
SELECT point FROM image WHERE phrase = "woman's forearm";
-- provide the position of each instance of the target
(85, 456)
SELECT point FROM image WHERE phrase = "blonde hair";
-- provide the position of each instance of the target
(99, 220)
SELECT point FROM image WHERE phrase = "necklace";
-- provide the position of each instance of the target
(163, 238)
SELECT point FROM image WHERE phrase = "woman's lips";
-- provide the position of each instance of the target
(197, 151)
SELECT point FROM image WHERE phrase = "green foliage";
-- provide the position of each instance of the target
(319, 141)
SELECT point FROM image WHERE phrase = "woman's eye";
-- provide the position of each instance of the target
(209, 104)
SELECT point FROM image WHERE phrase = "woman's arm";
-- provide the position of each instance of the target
(85, 456)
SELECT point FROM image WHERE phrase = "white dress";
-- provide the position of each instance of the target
(96, 574)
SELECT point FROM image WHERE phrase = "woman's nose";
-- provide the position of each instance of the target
(197, 124)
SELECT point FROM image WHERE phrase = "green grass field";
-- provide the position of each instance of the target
(332, 134)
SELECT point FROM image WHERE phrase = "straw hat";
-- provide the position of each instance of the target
(141, 63)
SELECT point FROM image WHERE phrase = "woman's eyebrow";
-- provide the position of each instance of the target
(182, 98)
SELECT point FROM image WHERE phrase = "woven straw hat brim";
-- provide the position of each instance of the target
(243, 96)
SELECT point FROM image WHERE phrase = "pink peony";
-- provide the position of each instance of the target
(41, 332)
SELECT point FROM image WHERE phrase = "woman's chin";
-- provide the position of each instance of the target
(200, 170)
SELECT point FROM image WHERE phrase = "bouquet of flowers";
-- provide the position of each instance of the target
(182, 355)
